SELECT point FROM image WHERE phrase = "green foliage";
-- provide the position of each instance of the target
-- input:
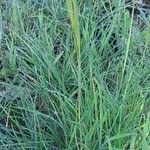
(61, 87)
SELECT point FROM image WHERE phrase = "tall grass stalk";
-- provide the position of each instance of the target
(128, 41)
(74, 18)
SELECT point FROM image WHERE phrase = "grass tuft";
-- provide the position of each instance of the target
(73, 75)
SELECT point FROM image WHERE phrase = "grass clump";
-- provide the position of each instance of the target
(71, 77)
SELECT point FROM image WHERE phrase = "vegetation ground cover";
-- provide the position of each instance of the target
(67, 83)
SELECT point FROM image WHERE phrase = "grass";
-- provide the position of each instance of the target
(63, 85)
